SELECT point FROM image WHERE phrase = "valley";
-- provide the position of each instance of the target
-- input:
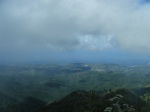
(41, 84)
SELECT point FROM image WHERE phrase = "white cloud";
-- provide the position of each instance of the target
(59, 24)
(89, 42)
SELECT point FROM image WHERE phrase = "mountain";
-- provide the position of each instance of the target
(21, 86)
(83, 101)
(9, 104)
(77, 101)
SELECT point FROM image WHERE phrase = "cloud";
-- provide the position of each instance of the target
(74, 24)
(89, 42)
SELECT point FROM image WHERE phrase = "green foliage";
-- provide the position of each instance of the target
(79, 101)
(49, 83)
(82, 101)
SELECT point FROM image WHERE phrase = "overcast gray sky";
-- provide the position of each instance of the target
(74, 30)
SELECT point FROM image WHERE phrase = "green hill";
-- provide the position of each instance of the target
(83, 101)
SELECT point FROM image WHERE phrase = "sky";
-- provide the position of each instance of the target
(75, 31)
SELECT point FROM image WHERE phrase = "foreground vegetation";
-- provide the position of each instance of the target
(120, 100)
